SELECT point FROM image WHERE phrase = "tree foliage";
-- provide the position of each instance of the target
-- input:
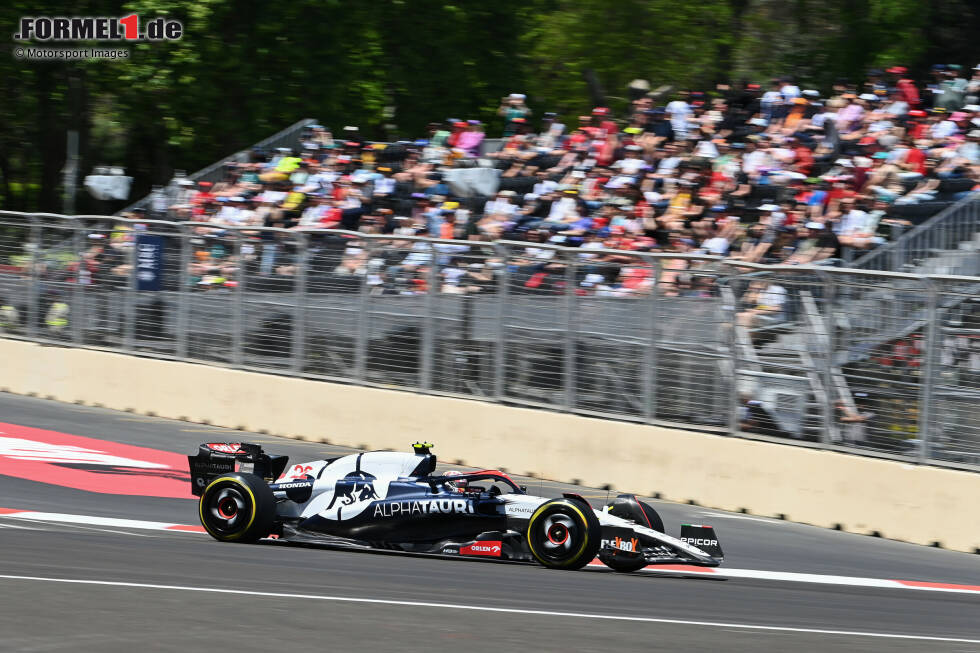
(245, 69)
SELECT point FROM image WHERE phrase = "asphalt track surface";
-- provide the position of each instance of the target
(154, 589)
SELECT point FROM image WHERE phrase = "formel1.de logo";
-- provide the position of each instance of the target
(98, 28)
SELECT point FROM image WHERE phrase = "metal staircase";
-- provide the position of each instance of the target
(947, 243)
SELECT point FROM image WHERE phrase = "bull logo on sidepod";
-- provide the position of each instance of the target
(349, 493)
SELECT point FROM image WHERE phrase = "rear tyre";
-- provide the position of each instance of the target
(237, 508)
(564, 534)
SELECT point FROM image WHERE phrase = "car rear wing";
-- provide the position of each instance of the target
(216, 458)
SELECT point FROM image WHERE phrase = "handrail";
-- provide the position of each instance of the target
(931, 226)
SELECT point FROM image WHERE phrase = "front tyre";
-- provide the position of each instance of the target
(564, 534)
(237, 508)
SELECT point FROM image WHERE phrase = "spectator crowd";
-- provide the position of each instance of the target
(769, 173)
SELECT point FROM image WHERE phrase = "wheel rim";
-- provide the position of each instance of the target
(556, 530)
(227, 510)
(559, 536)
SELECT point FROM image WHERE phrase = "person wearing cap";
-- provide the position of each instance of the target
(911, 157)
(962, 121)
(771, 102)
(282, 167)
(680, 112)
(885, 178)
(313, 214)
(896, 106)
(758, 158)
(815, 244)
(444, 222)
(949, 92)
(511, 107)
(928, 185)
(658, 125)
(501, 206)
(849, 118)
(796, 115)
(632, 162)
(469, 141)
(906, 87)
(918, 125)
(956, 89)
(850, 223)
(973, 87)
(227, 214)
(552, 131)
(763, 303)
(969, 149)
(943, 129)
(458, 128)
(789, 90)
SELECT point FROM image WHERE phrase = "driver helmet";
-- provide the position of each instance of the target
(455, 486)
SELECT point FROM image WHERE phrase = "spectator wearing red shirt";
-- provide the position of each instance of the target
(458, 128)
(914, 160)
(804, 158)
(906, 87)
(918, 126)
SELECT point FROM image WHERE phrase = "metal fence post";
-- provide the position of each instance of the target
(734, 398)
(129, 297)
(829, 435)
(77, 315)
(649, 378)
(503, 291)
(898, 249)
(238, 302)
(298, 349)
(361, 337)
(570, 378)
(183, 291)
(427, 353)
(34, 286)
(927, 383)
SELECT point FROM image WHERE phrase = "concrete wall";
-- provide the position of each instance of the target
(861, 495)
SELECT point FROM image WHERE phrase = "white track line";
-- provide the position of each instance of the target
(65, 518)
(819, 579)
(22, 528)
(674, 570)
(74, 525)
(474, 608)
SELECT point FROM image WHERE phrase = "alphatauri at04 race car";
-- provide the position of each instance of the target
(394, 501)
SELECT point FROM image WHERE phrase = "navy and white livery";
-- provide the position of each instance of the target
(395, 501)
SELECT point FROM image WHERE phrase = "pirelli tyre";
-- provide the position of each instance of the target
(564, 534)
(237, 508)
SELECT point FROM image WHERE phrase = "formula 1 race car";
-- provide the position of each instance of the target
(394, 501)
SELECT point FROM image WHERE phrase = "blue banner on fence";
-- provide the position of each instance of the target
(149, 262)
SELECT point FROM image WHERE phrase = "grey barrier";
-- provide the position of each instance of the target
(870, 362)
